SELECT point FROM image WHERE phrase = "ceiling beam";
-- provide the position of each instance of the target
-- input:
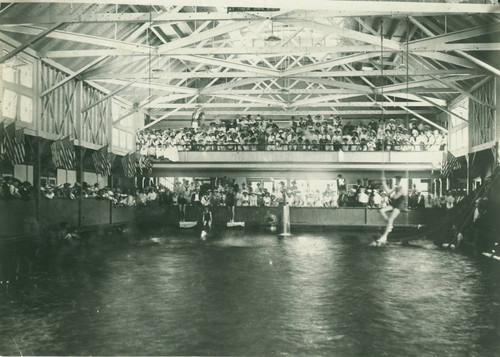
(344, 32)
(252, 99)
(405, 108)
(265, 101)
(444, 109)
(417, 83)
(332, 74)
(226, 86)
(157, 86)
(446, 58)
(434, 40)
(31, 41)
(482, 30)
(81, 38)
(340, 8)
(267, 112)
(463, 92)
(477, 61)
(230, 64)
(71, 76)
(106, 97)
(336, 62)
(207, 34)
(337, 84)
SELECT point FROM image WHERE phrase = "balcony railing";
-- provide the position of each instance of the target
(306, 147)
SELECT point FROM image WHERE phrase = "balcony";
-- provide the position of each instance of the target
(303, 161)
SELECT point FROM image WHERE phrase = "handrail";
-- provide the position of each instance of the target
(235, 147)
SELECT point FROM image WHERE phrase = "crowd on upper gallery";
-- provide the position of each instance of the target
(247, 133)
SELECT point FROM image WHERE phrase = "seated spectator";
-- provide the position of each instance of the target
(362, 197)
(25, 191)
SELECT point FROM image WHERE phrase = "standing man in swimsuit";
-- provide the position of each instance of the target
(396, 204)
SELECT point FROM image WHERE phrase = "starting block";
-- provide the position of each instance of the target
(187, 224)
(235, 224)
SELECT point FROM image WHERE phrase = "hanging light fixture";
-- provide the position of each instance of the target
(272, 38)
(158, 68)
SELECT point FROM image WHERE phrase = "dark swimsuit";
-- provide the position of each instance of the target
(399, 202)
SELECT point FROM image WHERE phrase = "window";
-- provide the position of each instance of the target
(17, 70)
(26, 109)
(26, 75)
(8, 74)
(9, 107)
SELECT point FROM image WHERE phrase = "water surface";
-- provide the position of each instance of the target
(247, 293)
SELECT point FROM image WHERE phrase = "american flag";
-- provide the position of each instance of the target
(56, 157)
(145, 166)
(129, 165)
(67, 153)
(13, 144)
(450, 164)
(103, 161)
(2, 136)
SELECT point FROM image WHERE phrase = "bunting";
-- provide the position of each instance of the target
(67, 153)
(450, 164)
(63, 153)
(13, 144)
(54, 149)
(129, 165)
(103, 161)
(145, 166)
(2, 135)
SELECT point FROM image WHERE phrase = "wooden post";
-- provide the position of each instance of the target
(81, 154)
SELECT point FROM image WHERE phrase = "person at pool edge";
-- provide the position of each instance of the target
(206, 220)
(230, 202)
(396, 204)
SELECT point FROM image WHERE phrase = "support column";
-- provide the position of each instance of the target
(81, 154)
(81, 150)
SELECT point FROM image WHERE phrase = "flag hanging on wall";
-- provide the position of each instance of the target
(2, 136)
(129, 165)
(103, 161)
(67, 153)
(145, 166)
(450, 164)
(54, 149)
(13, 141)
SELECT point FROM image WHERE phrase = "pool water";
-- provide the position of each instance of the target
(244, 293)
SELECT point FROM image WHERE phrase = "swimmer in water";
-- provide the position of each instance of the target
(397, 203)
(206, 220)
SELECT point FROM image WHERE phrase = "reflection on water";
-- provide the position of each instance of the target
(251, 294)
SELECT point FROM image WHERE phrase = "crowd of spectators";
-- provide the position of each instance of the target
(194, 193)
(249, 133)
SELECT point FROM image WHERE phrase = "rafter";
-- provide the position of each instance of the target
(452, 36)
(405, 108)
(71, 76)
(229, 64)
(189, 40)
(336, 62)
(81, 38)
(288, 112)
(464, 73)
(31, 41)
(316, 9)
(260, 101)
(344, 32)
